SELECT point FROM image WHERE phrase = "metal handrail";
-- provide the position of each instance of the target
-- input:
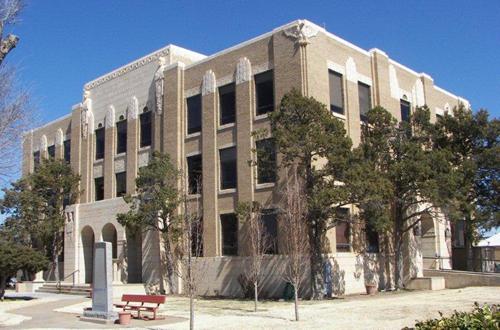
(58, 284)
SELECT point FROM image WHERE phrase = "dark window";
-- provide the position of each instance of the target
(336, 92)
(229, 225)
(365, 100)
(121, 184)
(121, 136)
(99, 143)
(264, 88)
(194, 114)
(371, 239)
(145, 119)
(197, 238)
(51, 150)
(194, 164)
(67, 151)
(405, 110)
(269, 219)
(343, 230)
(36, 159)
(99, 188)
(266, 161)
(228, 173)
(227, 104)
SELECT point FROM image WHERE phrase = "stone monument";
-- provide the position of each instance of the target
(102, 288)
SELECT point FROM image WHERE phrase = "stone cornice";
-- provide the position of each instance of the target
(127, 68)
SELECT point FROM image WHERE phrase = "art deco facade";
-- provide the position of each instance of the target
(201, 110)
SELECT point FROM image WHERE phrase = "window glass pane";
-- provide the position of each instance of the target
(51, 150)
(365, 100)
(228, 173)
(227, 104)
(121, 184)
(99, 188)
(194, 114)
(371, 239)
(264, 88)
(266, 161)
(67, 151)
(229, 226)
(121, 137)
(343, 230)
(336, 92)
(194, 164)
(405, 110)
(269, 219)
(145, 119)
(99, 143)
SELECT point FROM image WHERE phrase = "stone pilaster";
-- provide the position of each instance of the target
(132, 144)
(211, 227)
(174, 114)
(109, 154)
(27, 162)
(76, 148)
(385, 84)
(59, 141)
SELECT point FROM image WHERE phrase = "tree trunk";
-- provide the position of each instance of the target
(55, 259)
(169, 264)
(255, 295)
(398, 242)
(3, 283)
(191, 309)
(468, 238)
(296, 296)
(316, 259)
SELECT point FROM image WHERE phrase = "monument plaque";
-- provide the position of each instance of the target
(102, 288)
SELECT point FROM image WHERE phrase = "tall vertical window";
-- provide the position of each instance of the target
(51, 150)
(227, 104)
(405, 110)
(99, 188)
(264, 89)
(36, 159)
(121, 136)
(266, 161)
(371, 234)
(342, 230)
(365, 100)
(194, 165)
(229, 226)
(228, 174)
(336, 92)
(67, 151)
(145, 121)
(99, 143)
(194, 114)
(121, 184)
(270, 221)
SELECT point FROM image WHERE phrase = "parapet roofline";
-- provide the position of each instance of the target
(165, 51)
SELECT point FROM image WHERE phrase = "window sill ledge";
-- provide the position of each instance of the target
(227, 191)
(226, 126)
(260, 186)
(338, 115)
(261, 117)
(193, 135)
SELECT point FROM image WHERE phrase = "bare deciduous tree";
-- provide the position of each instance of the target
(293, 223)
(9, 13)
(258, 242)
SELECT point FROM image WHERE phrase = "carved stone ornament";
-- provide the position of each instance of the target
(110, 117)
(208, 85)
(133, 108)
(418, 92)
(59, 137)
(85, 114)
(159, 84)
(301, 33)
(351, 73)
(43, 143)
(70, 223)
(243, 70)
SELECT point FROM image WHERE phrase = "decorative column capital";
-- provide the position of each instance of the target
(243, 70)
(208, 85)
(59, 137)
(133, 108)
(110, 117)
(301, 33)
(43, 143)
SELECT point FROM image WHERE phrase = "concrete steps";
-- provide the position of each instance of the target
(80, 289)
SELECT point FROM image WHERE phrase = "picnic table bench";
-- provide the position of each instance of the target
(132, 300)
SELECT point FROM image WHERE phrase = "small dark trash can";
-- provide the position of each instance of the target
(289, 292)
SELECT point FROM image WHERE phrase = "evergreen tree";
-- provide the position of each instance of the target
(473, 141)
(401, 177)
(308, 136)
(155, 205)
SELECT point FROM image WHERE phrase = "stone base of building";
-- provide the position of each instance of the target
(427, 283)
(99, 317)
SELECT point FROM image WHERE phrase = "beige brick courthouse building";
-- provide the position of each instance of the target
(201, 110)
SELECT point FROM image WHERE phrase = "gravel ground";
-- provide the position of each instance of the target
(391, 310)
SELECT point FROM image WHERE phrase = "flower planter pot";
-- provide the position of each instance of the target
(124, 318)
(371, 289)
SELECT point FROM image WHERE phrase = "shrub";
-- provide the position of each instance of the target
(482, 317)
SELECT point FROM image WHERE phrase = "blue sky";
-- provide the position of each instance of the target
(67, 43)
